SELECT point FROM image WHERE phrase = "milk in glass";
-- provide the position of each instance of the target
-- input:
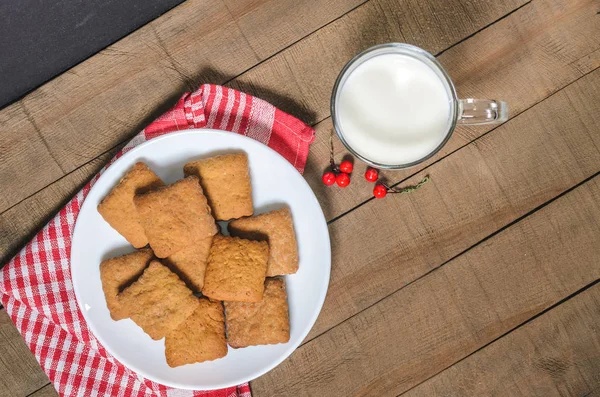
(394, 109)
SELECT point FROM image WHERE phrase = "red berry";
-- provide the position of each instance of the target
(342, 179)
(380, 191)
(371, 175)
(328, 178)
(346, 166)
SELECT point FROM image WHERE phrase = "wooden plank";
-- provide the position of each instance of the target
(385, 244)
(111, 96)
(46, 391)
(19, 224)
(20, 373)
(523, 58)
(424, 328)
(554, 355)
(288, 19)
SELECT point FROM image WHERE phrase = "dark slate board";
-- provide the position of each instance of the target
(40, 39)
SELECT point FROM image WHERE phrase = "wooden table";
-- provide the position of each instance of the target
(483, 282)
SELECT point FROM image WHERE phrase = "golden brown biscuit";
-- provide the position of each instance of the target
(175, 217)
(236, 269)
(117, 207)
(262, 323)
(190, 263)
(278, 229)
(117, 273)
(226, 183)
(158, 301)
(199, 338)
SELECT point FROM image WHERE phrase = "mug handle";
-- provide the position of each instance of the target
(482, 111)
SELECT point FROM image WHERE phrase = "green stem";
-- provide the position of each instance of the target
(409, 189)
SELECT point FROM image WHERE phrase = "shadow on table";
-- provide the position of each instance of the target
(277, 99)
(191, 82)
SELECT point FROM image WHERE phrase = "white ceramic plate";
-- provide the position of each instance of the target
(275, 184)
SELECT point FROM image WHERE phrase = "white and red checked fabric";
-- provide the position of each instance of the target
(36, 288)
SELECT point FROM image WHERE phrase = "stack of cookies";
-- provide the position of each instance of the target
(186, 282)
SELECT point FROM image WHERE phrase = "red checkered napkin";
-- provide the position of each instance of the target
(36, 287)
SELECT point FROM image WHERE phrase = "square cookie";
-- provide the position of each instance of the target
(175, 216)
(226, 183)
(277, 228)
(201, 337)
(158, 301)
(190, 263)
(236, 269)
(117, 207)
(116, 273)
(263, 323)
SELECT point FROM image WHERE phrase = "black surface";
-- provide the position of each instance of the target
(40, 39)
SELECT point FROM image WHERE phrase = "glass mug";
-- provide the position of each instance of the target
(393, 129)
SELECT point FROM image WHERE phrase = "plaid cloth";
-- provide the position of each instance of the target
(36, 287)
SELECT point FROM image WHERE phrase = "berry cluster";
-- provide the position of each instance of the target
(343, 172)
(341, 175)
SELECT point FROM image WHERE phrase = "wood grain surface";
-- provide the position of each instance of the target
(286, 20)
(554, 355)
(19, 223)
(46, 391)
(480, 283)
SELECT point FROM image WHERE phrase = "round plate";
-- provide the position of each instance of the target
(275, 183)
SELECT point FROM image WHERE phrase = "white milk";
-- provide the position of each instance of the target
(394, 109)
